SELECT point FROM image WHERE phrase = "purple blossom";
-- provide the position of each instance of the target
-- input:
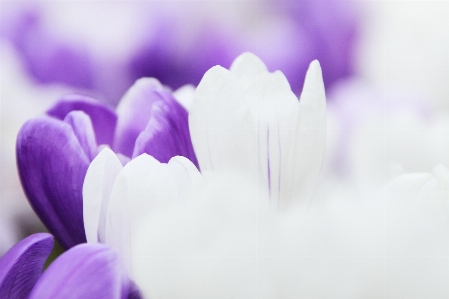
(308, 30)
(55, 150)
(330, 31)
(85, 271)
(47, 58)
(159, 56)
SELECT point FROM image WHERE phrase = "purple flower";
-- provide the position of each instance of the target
(288, 35)
(160, 58)
(330, 32)
(47, 58)
(55, 150)
(85, 271)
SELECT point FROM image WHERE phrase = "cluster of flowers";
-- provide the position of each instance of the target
(130, 179)
(210, 192)
(210, 196)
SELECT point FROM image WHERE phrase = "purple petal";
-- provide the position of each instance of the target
(102, 116)
(52, 165)
(134, 112)
(22, 265)
(167, 133)
(85, 271)
(83, 130)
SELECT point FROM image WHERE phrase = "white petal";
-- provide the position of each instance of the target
(100, 178)
(274, 109)
(185, 175)
(307, 153)
(144, 189)
(184, 95)
(247, 67)
(221, 125)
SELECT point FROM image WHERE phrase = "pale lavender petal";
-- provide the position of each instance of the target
(47, 57)
(102, 116)
(83, 130)
(167, 133)
(22, 265)
(52, 165)
(134, 112)
(85, 271)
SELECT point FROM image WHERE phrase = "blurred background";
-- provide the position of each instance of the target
(385, 67)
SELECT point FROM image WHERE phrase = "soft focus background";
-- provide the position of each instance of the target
(385, 66)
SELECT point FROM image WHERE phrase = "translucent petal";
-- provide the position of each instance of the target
(221, 125)
(97, 188)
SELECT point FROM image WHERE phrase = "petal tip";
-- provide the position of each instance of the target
(248, 61)
(313, 85)
(315, 68)
(106, 151)
(150, 81)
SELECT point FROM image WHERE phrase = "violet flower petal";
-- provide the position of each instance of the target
(134, 112)
(83, 130)
(102, 116)
(22, 265)
(167, 134)
(52, 165)
(85, 271)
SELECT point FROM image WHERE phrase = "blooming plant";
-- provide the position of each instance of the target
(54, 150)
(216, 202)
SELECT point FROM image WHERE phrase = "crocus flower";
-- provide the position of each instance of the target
(54, 150)
(248, 120)
(116, 198)
(85, 271)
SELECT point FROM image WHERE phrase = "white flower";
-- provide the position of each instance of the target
(248, 120)
(116, 199)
